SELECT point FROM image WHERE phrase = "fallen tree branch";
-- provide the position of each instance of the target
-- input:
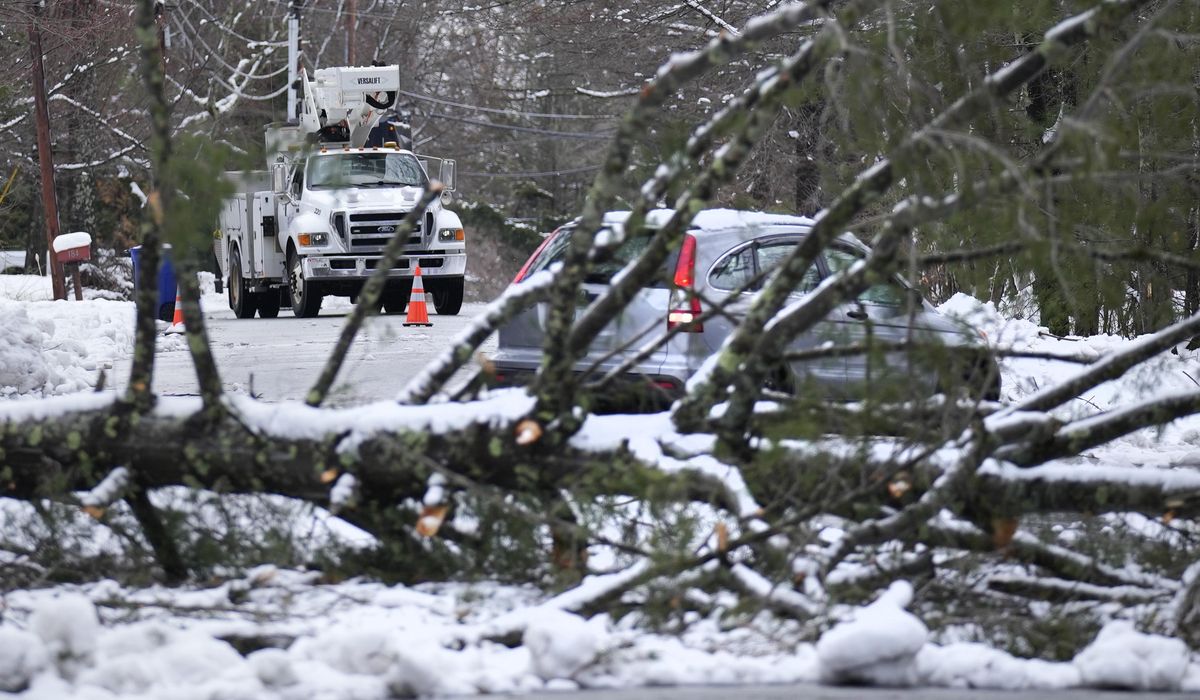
(1056, 590)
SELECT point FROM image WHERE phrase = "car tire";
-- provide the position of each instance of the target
(448, 296)
(242, 301)
(306, 297)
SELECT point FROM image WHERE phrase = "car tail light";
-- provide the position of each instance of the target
(684, 308)
(525, 268)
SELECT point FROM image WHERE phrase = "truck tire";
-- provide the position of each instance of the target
(241, 301)
(306, 298)
(448, 296)
(268, 303)
(395, 298)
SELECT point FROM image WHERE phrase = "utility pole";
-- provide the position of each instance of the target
(293, 58)
(351, 26)
(45, 157)
(160, 20)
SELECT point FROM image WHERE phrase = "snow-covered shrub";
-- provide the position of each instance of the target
(108, 275)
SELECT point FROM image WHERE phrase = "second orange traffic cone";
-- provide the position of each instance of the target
(418, 315)
(177, 321)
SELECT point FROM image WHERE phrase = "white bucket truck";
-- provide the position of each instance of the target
(315, 223)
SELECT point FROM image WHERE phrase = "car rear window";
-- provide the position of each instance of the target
(602, 273)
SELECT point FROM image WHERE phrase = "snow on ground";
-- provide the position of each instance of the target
(360, 639)
(1169, 373)
(303, 639)
(58, 347)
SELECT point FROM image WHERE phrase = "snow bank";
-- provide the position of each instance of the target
(52, 347)
(22, 657)
(369, 641)
(878, 645)
(57, 347)
(22, 367)
(561, 644)
(1122, 657)
(1167, 373)
(967, 665)
(67, 625)
(353, 640)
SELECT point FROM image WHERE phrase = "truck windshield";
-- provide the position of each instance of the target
(336, 170)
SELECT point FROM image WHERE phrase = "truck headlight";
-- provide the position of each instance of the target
(312, 239)
(451, 234)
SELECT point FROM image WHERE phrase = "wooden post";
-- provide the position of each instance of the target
(75, 280)
(45, 157)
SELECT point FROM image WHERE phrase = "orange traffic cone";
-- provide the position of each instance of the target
(418, 315)
(177, 321)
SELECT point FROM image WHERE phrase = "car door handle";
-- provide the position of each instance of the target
(857, 314)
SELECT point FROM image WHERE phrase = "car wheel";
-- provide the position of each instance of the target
(240, 300)
(448, 296)
(306, 298)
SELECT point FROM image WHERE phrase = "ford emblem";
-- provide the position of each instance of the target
(387, 229)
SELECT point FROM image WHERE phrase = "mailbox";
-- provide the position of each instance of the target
(73, 247)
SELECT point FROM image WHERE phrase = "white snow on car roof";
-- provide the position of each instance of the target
(715, 219)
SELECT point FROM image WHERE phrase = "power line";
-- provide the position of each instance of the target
(327, 11)
(589, 136)
(544, 173)
(506, 112)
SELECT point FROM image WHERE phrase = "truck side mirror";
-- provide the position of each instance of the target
(279, 181)
(447, 174)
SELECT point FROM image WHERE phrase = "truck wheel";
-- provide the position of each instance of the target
(395, 298)
(306, 300)
(268, 303)
(448, 296)
(241, 301)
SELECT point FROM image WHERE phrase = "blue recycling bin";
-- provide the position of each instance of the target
(166, 281)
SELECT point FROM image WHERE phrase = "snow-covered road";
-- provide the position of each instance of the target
(279, 359)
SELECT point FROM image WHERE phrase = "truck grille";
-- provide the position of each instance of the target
(369, 233)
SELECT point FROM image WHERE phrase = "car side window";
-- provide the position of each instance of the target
(772, 255)
(734, 271)
(889, 294)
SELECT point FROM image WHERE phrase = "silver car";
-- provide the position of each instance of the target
(723, 260)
